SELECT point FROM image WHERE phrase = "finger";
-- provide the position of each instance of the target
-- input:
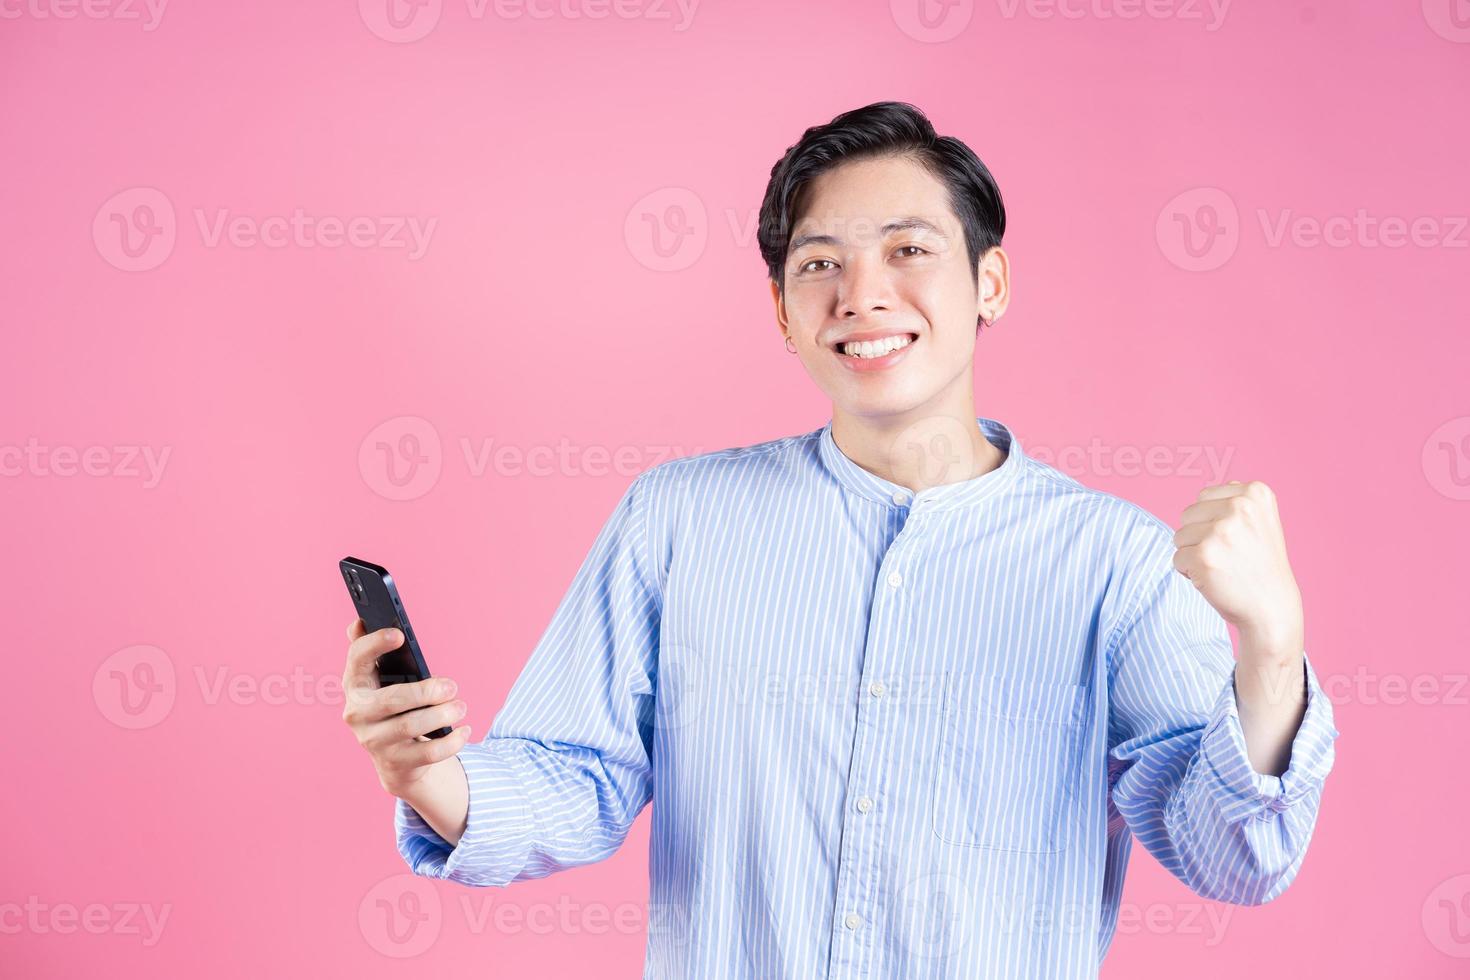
(416, 755)
(1232, 489)
(355, 680)
(1186, 562)
(363, 654)
(395, 699)
(1192, 534)
(380, 736)
(1208, 510)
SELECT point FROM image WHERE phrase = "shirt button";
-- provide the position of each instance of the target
(877, 689)
(899, 497)
(864, 804)
(895, 579)
(853, 920)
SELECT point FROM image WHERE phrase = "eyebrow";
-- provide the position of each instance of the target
(898, 224)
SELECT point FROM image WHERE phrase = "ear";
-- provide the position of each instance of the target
(994, 284)
(780, 302)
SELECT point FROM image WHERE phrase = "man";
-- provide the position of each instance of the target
(901, 695)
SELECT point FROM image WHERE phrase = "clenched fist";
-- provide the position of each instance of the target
(1230, 545)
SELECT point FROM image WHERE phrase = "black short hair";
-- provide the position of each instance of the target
(879, 130)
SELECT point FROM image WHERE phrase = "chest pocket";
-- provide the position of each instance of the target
(1007, 763)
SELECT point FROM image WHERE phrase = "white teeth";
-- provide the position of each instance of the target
(876, 348)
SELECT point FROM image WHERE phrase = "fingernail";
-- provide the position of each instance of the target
(459, 708)
(447, 688)
(394, 636)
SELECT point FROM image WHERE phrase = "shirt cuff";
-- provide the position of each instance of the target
(499, 826)
(1242, 793)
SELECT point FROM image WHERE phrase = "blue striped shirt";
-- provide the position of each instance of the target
(886, 733)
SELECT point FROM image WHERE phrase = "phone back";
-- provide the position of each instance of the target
(380, 606)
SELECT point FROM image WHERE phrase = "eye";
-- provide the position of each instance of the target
(807, 267)
(917, 249)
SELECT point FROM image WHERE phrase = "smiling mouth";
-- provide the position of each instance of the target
(868, 350)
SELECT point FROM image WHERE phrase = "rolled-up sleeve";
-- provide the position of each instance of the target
(564, 768)
(1180, 774)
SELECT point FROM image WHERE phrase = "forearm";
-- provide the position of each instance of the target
(1271, 696)
(442, 798)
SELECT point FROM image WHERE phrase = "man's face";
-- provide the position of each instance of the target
(877, 253)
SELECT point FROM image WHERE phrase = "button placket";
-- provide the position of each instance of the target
(853, 945)
(852, 948)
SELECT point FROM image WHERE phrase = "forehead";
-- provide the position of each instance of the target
(867, 193)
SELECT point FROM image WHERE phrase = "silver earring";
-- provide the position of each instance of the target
(789, 346)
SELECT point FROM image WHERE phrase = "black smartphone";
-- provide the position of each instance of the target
(380, 606)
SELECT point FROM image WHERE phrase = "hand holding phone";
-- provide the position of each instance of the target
(398, 712)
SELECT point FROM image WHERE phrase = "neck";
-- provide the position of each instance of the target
(926, 446)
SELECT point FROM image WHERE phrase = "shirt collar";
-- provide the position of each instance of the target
(941, 497)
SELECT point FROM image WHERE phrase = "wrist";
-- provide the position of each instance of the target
(422, 784)
(1271, 644)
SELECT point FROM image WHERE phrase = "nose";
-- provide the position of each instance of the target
(863, 289)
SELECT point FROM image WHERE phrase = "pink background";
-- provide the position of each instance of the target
(543, 315)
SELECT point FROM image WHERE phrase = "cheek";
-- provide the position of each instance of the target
(804, 312)
(945, 298)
